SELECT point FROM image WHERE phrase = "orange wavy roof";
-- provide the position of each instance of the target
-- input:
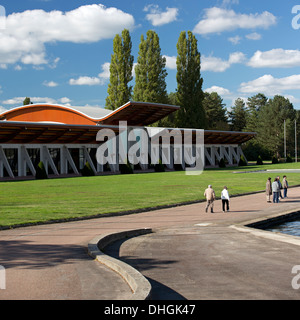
(135, 113)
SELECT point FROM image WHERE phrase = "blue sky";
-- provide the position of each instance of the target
(59, 51)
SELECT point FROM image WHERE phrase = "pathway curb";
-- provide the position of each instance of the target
(139, 285)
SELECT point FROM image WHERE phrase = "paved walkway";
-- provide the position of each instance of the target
(192, 255)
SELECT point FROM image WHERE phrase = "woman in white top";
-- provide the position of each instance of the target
(225, 199)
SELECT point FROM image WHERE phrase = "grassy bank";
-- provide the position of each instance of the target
(44, 200)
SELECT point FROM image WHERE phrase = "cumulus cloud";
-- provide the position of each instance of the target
(18, 101)
(27, 32)
(93, 81)
(50, 84)
(65, 101)
(159, 18)
(171, 62)
(217, 20)
(216, 64)
(85, 81)
(220, 90)
(270, 85)
(235, 39)
(253, 36)
(275, 58)
(105, 74)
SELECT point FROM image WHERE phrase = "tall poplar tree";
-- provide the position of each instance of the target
(119, 90)
(189, 83)
(150, 71)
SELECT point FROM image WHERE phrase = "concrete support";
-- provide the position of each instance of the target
(4, 164)
(47, 160)
(24, 161)
(169, 155)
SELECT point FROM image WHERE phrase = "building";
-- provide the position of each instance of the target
(64, 138)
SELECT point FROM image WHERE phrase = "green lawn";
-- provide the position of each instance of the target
(44, 200)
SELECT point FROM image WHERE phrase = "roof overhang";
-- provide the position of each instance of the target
(12, 132)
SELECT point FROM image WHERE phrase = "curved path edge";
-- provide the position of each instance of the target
(257, 226)
(139, 285)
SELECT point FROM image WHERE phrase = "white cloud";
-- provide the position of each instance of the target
(269, 85)
(50, 84)
(220, 90)
(275, 58)
(159, 18)
(105, 74)
(171, 62)
(85, 81)
(2, 109)
(65, 101)
(253, 36)
(214, 64)
(217, 20)
(237, 57)
(93, 81)
(18, 101)
(218, 65)
(27, 32)
(235, 40)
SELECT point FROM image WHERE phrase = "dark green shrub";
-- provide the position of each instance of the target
(41, 171)
(159, 167)
(289, 159)
(259, 161)
(274, 160)
(87, 171)
(126, 168)
(242, 161)
(222, 163)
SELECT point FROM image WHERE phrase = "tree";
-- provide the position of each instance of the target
(119, 92)
(254, 105)
(170, 120)
(253, 149)
(189, 83)
(214, 107)
(26, 101)
(270, 130)
(238, 115)
(150, 71)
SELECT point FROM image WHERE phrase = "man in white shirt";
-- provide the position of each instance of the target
(225, 199)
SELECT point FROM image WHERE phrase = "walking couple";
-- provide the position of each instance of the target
(209, 193)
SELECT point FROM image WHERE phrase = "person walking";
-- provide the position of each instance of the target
(280, 187)
(210, 196)
(285, 186)
(275, 190)
(268, 189)
(225, 199)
